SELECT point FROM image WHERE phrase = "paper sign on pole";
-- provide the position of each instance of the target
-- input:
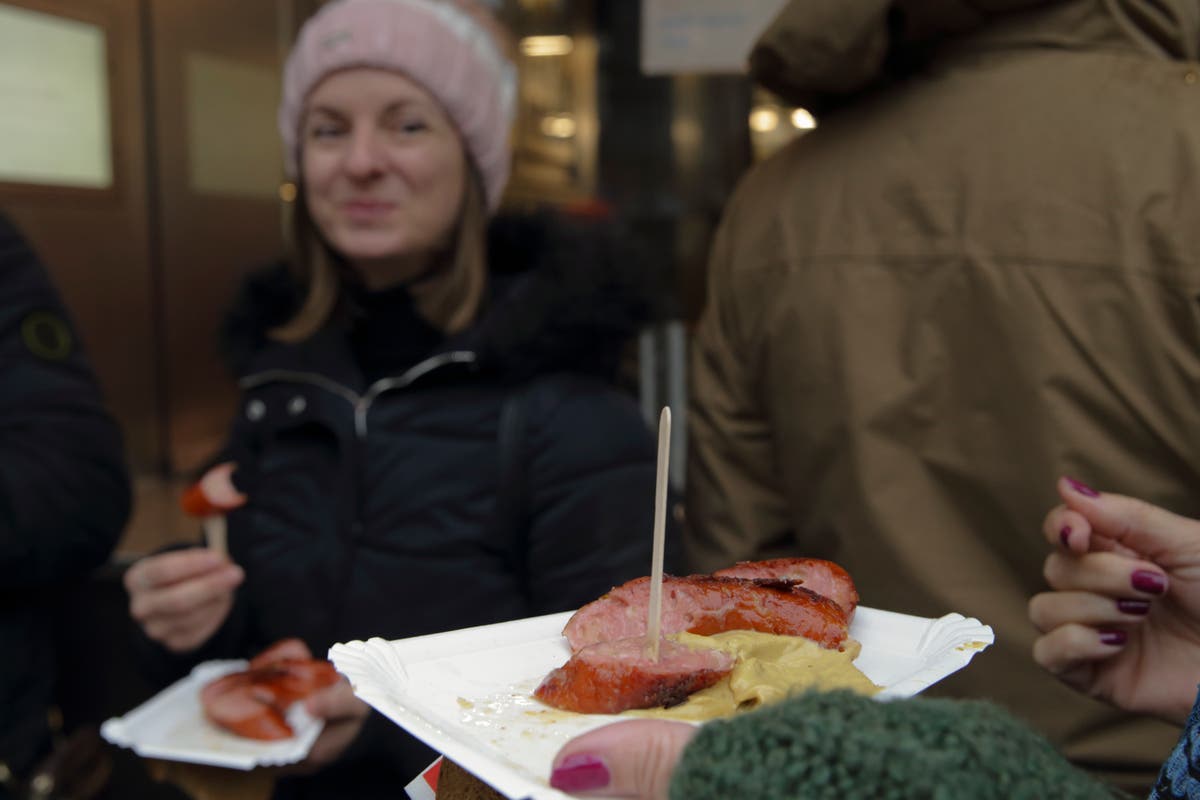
(702, 35)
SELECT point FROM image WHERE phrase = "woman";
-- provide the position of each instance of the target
(428, 438)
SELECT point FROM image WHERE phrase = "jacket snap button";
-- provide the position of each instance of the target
(297, 405)
(256, 410)
(1191, 77)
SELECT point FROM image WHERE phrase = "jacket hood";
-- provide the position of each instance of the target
(817, 51)
(564, 294)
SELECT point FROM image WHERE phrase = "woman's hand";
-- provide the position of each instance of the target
(1123, 621)
(181, 598)
(625, 759)
(344, 715)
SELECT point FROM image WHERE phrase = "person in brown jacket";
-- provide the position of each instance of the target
(980, 272)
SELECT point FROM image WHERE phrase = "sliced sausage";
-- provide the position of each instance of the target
(706, 605)
(822, 577)
(610, 677)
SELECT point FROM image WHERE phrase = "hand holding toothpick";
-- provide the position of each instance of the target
(654, 616)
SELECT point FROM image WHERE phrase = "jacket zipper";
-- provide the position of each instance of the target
(406, 378)
(362, 405)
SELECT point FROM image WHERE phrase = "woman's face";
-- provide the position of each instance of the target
(384, 172)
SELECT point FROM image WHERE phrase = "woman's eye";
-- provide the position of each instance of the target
(325, 131)
(407, 126)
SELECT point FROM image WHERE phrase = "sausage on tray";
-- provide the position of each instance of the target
(610, 677)
(253, 703)
(822, 577)
(705, 605)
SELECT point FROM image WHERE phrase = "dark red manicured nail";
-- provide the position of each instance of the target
(1082, 488)
(1065, 535)
(1113, 637)
(1149, 582)
(580, 773)
(1129, 606)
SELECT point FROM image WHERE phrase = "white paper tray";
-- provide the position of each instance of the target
(171, 725)
(467, 693)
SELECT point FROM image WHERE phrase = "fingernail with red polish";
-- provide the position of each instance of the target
(1129, 606)
(1114, 638)
(1149, 582)
(580, 773)
(1082, 488)
(1065, 535)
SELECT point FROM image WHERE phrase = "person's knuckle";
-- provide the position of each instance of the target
(1076, 637)
(157, 630)
(1048, 654)
(1036, 609)
(174, 605)
(1052, 569)
(140, 609)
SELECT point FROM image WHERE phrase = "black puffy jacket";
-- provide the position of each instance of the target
(64, 488)
(388, 507)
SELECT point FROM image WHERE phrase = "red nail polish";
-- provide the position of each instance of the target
(580, 773)
(1115, 638)
(1149, 582)
(1082, 488)
(1131, 606)
(1065, 535)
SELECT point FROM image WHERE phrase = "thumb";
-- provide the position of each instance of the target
(218, 487)
(625, 759)
(335, 702)
(1152, 532)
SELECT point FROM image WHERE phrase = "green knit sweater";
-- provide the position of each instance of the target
(840, 745)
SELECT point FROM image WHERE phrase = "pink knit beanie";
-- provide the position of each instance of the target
(451, 47)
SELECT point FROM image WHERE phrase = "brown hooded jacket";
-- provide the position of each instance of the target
(979, 273)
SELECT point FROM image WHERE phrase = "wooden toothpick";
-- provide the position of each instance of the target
(654, 615)
(215, 535)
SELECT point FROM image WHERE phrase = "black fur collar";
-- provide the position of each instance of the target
(566, 295)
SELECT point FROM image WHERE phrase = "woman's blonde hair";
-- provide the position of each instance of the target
(449, 296)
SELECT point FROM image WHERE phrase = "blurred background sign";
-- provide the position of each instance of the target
(54, 92)
(702, 35)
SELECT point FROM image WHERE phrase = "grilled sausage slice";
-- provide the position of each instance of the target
(253, 702)
(610, 677)
(822, 577)
(705, 605)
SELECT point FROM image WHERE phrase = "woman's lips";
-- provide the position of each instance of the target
(366, 210)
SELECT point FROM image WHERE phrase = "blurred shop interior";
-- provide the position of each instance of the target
(139, 154)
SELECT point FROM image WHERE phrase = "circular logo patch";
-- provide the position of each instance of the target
(47, 335)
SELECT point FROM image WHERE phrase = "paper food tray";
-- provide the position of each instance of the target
(468, 693)
(172, 726)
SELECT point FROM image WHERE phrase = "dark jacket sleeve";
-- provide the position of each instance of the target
(64, 486)
(591, 464)
(830, 745)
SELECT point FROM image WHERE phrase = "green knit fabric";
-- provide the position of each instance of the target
(841, 745)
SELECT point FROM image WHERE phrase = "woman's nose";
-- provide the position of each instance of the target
(364, 158)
